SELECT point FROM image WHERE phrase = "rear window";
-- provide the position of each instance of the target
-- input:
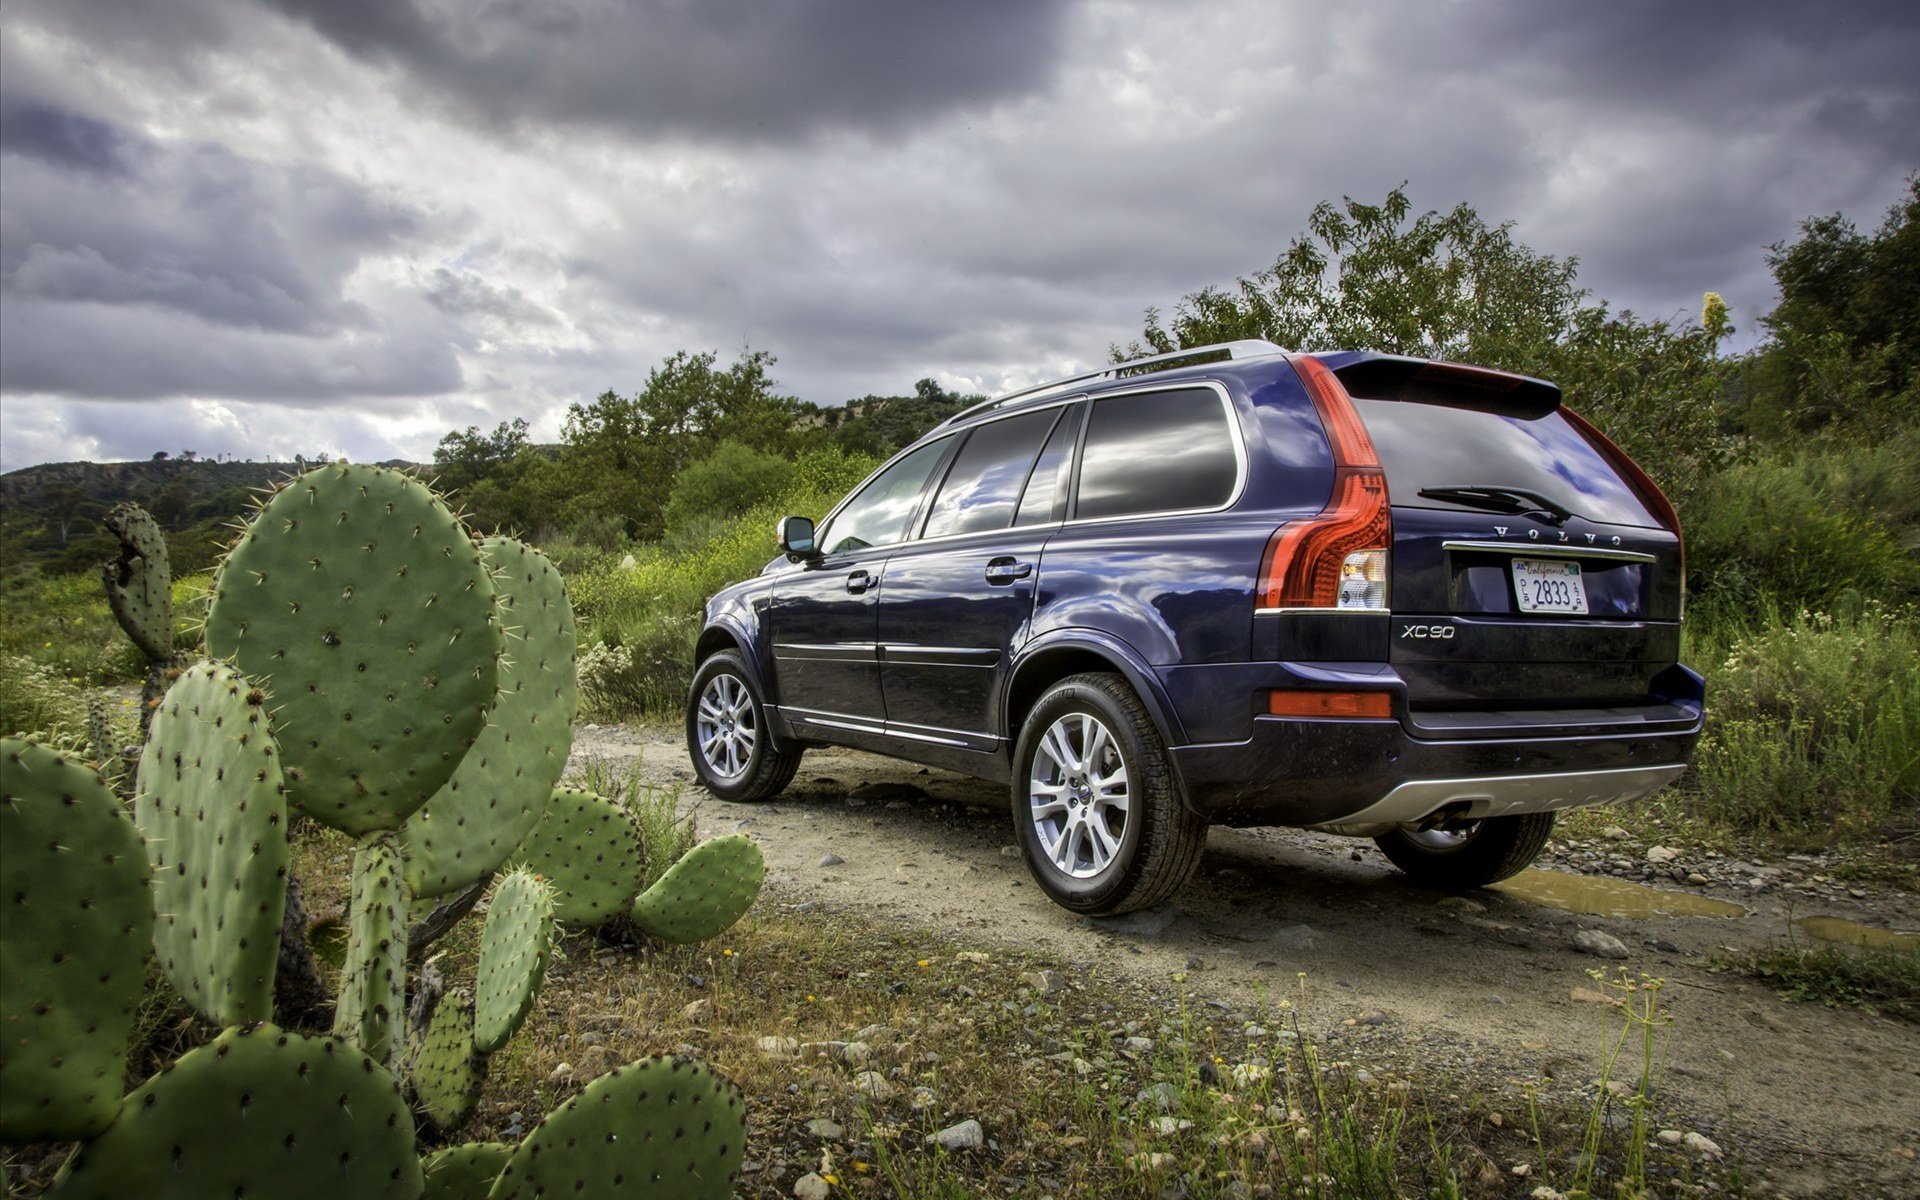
(1436, 445)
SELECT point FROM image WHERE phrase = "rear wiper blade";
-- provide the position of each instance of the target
(1499, 498)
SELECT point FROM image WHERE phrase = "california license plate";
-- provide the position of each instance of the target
(1549, 585)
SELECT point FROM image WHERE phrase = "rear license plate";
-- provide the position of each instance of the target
(1548, 585)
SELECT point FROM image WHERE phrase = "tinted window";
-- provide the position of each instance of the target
(983, 485)
(1156, 452)
(1446, 445)
(1046, 496)
(879, 515)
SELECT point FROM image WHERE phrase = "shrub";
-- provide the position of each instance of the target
(35, 699)
(1813, 724)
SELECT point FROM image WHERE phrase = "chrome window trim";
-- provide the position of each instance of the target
(1555, 550)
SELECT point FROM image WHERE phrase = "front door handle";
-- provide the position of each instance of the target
(860, 581)
(1006, 570)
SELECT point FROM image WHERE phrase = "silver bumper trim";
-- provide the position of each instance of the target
(1506, 795)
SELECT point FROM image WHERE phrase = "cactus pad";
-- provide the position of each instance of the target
(372, 1005)
(514, 945)
(464, 1172)
(363, 602)
(140, 581)
(447, 1070)
(500, 789)
(73, 945)
(213, 809)
(703, 893)
(662, 1126)
(259, 1112)
(589, 848)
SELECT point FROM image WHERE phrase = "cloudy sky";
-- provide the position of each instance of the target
(267, 227)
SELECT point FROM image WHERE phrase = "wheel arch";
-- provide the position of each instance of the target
(1054, 658)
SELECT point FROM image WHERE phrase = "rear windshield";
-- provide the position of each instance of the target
(1428, 446)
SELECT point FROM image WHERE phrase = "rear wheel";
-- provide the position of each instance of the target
(727, 735)
(1095, 805)
(1468, 855)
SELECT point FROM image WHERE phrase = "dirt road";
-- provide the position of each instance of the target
(1814, 1101)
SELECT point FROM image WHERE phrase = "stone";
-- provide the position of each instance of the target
(1600, 944)
(811, 1187)
(1614, 833)
(1047, 983)
(1697, 879)
(1169, 1126)
(1660, 856)
(967, 1135)
(697, 1011)
(831, 860)
(1670, 1137)
(1701, 1144)
(1162, 1096)
(777, 1047)
(873, 1085)
(825, 1130)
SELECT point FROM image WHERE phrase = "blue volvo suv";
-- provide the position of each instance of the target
(1414, 601)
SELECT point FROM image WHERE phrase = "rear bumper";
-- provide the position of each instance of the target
(1301, 771)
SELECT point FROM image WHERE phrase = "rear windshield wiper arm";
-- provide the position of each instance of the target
(1498, 498)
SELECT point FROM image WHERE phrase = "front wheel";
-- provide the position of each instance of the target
(1095, 806)
(727, 735)
(1459, 858)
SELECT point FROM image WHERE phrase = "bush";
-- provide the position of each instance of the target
(1813, 728)
(726, 483)
(1807, 532)
(651, 611)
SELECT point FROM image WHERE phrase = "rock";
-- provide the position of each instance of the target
(1151, 1164)
(1600, 944)
(697, 1011)
(1660, 856)
(561, 1073)
(777, 1047)
(873, 1085)
(825, 1130)
(1614, 833)
(1144, 1045)
(1670, 1137)
(831, 860)
(1145, 923)
(851, 1054)
(1249, 1074)
(1374, 1018)
(1169, 1126)
(1047, 983)
(1697, 879)
(967, 1135)
(1009, 852)
(1296, 937)
(1701, 1144)
(1162, 1096)
(811, 1187)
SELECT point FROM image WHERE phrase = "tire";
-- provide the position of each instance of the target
(1108, 831)
(1473, 856)
(727, 734)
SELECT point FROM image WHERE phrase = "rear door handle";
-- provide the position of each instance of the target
(860, 581)
(1006, 570)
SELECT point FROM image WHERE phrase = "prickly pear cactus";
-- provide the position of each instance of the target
(212, 807)
(372, 1005)
(590, 849)
(514, 946)
(704, 893)
(73, 946)
(259, 1112)
(140, 581)
(447, 1071)
(500, 790)
(358, 596)
(464, 1172)
(662, 1126)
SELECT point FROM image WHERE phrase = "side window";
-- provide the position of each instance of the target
(983, 485)
(1156, 452)
(879, 515)
(1046, 496)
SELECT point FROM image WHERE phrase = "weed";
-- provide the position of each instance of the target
(1886, 982)
(666, 833)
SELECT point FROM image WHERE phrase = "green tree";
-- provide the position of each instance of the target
(1450, 286)
(463, 459)
(725, 483)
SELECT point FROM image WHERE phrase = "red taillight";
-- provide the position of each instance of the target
(1336, 559)
(1330, 704)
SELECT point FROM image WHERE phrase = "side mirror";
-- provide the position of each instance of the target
(796, 537)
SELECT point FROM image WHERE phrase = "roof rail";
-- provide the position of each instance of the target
(1245, 348)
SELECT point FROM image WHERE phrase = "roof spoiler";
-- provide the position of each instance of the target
(1396, 377)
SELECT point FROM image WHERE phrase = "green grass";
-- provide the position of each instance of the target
(1886, 982)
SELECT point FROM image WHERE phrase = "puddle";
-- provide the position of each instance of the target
(1602, 897)
(1853, 933)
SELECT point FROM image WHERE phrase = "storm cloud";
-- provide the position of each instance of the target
(418, 215)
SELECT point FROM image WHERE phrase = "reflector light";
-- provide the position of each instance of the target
(1377, 705)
